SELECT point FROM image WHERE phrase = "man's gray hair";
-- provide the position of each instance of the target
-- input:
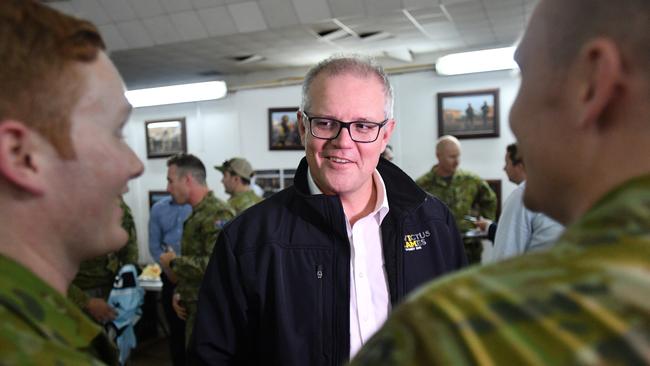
(351, 64)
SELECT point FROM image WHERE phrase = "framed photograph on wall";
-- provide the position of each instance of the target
(165, 137)
(283, 129)
(155, 196)
(471, 114)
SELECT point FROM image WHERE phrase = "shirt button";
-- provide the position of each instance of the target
(361, 274)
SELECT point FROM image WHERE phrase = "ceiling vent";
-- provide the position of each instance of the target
(247, 59)
(333, 34)
(375, 36)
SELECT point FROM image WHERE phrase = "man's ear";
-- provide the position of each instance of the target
(388, 132)
(602, 70)
(19, 158)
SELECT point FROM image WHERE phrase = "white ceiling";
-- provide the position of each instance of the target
(156, 42)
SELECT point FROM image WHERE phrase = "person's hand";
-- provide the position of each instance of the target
(178, 308)
(100, 310)
(165, 258)
(483, 224)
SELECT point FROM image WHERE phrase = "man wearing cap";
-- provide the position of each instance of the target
(237, 174)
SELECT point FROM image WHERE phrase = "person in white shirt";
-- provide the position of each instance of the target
(520, 230)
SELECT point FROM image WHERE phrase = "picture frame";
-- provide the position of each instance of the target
(469, 114)
(165, 137)
(283, 129)
(155, 196)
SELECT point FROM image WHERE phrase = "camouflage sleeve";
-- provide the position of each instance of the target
(78, 296)
(192, 266)
(129, 253)
(399, 342)
(487, 201)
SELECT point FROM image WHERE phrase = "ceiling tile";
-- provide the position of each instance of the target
(279, 13)
(379, 7)
(417, 4)
(91, 10)
(188, 25)
(161, 29)
(346, 8)
(112, 37)
(135, 34)
(218, 21)
(202, 4)
(247, 16)
(147, 8)
(312, 11)
(176, 6)
(118, 10)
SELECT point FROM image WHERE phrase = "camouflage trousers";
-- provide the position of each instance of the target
(473, 250)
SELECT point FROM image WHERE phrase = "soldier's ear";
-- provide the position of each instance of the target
(21, 156)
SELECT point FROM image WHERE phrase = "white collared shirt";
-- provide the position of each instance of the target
(369, 298)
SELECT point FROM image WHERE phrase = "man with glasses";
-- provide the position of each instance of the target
(307, 276)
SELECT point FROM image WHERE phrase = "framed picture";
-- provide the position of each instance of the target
(471, 114)
(155, 196)
(165, 137)
(269, 181)
(283, 129)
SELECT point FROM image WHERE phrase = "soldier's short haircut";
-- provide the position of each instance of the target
(188, 164)
(513, 154)
(40, 86)
(355, 65)
(444, 140)
(571, 24)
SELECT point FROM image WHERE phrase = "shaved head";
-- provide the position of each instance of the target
(573, 23)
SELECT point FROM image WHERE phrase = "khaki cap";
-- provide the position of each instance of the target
(239, 166)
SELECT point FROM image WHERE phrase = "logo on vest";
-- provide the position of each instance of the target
(415, 241)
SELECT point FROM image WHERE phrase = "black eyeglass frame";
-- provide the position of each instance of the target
(345, 125)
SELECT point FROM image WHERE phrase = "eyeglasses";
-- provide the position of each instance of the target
(329, 128)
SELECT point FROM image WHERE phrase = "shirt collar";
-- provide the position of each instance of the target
(381, 206)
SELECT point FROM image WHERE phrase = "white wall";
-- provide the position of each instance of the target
(238, 126)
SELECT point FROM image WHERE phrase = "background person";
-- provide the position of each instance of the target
(465, 193)
(186, 181)
(520, 230)
(237, 175)
(166, 220)
(94, 280)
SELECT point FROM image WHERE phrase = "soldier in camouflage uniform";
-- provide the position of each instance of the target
(237, 174)
(186, 179)
(584, 95)
(464, 192)
(63, 168)
(94, 281)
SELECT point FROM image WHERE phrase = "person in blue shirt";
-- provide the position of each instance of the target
(165, 232)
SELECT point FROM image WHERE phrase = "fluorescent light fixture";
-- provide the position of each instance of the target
(177, 94)
(477, 61)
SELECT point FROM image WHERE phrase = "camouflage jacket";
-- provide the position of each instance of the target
(586, 301)
(243, 200)
(466, 194)
(200, 232)
(99, 273)
(39, 326)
